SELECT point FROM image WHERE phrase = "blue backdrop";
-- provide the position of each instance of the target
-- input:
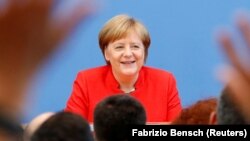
(183, 42)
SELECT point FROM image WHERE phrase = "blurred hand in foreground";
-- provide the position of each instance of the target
(237, 77)
(28, 36)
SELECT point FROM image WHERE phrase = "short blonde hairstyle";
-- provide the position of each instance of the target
(118, 27)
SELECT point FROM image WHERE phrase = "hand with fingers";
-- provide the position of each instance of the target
(28, 36)
(237, 78)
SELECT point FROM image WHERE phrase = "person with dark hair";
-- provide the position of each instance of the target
(63, 126)
(10, 130)
(197, 113)
(35, 123)
(124, 42)
(113, 116)
(228, 111)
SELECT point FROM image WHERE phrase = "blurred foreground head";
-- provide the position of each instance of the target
(29, 35)
(228, 111)
(63, 126)
(35, 123)
(113, 116)
(197, 113)
(10, 130)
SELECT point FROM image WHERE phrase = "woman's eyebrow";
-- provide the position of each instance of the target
(118, 43)
(136, 43)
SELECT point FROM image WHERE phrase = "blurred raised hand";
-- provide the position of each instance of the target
(28, 35)
(237, 76)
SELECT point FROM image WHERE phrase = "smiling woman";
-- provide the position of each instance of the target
(127, 57)
(124, 42)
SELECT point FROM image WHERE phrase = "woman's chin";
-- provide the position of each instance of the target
(130, 73)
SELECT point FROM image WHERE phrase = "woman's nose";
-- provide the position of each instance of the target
(128, 51)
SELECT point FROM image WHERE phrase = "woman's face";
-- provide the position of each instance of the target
(126, 55)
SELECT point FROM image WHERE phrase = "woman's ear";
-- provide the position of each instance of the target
(213, 118)
(106, 54)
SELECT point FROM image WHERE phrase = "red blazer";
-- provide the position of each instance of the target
(156, 89)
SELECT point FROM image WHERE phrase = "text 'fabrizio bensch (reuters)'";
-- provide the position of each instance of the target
(199, 132)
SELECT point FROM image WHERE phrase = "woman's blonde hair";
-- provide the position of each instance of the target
(118, 27)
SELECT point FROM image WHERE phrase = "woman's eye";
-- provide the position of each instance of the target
(118, 47)
(136, 47)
